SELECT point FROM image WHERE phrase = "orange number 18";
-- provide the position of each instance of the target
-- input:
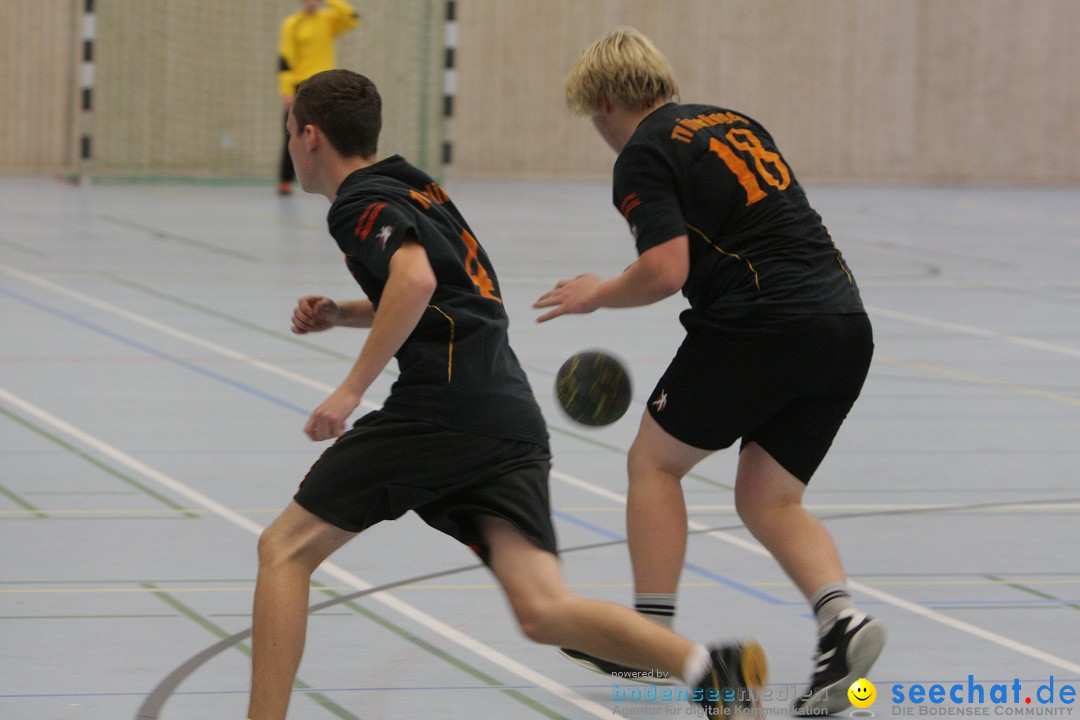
(747, 141)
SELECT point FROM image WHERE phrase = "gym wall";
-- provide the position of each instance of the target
(855, 91)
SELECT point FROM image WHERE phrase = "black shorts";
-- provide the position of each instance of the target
(784, 383)
(387, 465)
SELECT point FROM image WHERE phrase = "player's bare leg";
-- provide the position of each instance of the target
(656, 522)
(289, 551)
(549, 613)
(769, 500)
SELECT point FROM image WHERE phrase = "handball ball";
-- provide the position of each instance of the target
(593, 388)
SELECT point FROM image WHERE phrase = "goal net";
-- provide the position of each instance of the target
(188, 88)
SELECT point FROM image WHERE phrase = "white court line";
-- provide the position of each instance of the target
(748, 545)
(962, 329)
(911, 607)
(437, 626)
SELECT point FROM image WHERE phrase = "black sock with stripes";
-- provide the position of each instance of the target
(658, 607)
(828, 602)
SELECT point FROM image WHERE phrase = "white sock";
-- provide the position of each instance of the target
(696, 665)
(658, 607)
(828, 602)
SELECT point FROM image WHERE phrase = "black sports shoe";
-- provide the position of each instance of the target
(622, 672)
(734, 681)
(844, 654)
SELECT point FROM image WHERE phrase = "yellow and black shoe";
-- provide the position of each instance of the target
(734, 681)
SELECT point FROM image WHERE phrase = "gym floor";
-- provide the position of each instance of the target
(152, 400)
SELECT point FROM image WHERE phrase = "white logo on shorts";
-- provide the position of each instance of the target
(384, 235)
(661, 402)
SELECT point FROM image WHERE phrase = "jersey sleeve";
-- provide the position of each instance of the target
(370, 231)
(343, 16)
(646, 194)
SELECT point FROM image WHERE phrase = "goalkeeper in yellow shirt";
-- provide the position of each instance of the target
(307, 48)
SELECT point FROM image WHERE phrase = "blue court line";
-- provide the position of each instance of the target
(690, 567)
(696, 569)
(151, 351)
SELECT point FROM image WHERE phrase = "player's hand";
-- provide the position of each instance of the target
(328, 420)
(315, 313)
(569, 297)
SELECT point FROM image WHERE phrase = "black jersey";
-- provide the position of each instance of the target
(756, 245)
(456, 368)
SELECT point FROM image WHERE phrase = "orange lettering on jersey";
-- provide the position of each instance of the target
(367, 220)
(686, 127)
(436, 192)
(421, 198)
(682, 134)
(476, 270)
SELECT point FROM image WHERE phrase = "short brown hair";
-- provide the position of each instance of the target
(623, 65)
(346, 106)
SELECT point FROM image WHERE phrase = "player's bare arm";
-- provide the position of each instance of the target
(658, 273)
(315, 313)
(404, 300)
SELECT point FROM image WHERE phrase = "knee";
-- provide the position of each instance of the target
(540, 619)
(643, 464)
(760, 509)
(276, 549)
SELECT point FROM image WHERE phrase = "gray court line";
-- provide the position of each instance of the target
(96, 463)
(177, 238)
(154, 701)
(23, 248)
(214, 629)
(13, 497)
(449, 657)
(1033, 591)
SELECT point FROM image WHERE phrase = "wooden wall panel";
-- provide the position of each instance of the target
(37, 49)
(865, 91)
(869, 91)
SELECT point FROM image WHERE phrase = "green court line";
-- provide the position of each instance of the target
(80, 492)
(221, 634)
(10, 495)
(447, 657)
(83, 617)
(1032, 591)
(98, 463)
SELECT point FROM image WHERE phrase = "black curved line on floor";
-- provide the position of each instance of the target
(155, 700)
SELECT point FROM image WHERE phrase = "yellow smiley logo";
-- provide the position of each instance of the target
(862, 693)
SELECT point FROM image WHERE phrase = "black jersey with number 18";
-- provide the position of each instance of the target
(456, 368)
(757, 248)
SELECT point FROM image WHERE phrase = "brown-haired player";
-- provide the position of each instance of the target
(460, 440)
(777, 342)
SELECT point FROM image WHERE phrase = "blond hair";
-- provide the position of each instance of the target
(621, 66)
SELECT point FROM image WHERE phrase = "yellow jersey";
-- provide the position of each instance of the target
(307, 42)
